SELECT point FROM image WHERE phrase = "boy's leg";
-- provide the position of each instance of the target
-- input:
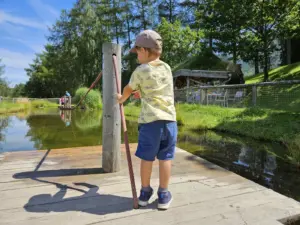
(165, 155)
(164, 173)
(148, 146)
(146, 170)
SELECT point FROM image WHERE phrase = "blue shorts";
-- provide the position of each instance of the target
(157, 139)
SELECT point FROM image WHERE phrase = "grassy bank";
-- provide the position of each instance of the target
(260, 124)
(9, 107)
(288, 72)
(286, 97)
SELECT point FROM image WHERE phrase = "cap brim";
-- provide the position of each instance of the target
(133, 50)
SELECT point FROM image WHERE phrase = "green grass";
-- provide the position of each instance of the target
(285, 97)
(288, 72)
(42, 104)
(260, 124)
(205, 60)
(9, 107)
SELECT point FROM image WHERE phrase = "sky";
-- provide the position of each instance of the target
(23, 29)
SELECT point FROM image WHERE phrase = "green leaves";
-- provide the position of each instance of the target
(178, 42)
(4, 85)
(92, 100)
(244, 29)
(271, 21)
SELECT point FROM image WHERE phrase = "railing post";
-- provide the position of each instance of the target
(187, 88)
(254, 95)
(111, 129)
(206, 97)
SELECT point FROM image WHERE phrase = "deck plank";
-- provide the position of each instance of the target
(32, 192)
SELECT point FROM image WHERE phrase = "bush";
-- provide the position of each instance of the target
(92, 100)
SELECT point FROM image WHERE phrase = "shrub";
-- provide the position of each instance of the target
(92, 100)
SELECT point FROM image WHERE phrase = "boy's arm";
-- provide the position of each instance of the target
(132, 86)
(126, 93)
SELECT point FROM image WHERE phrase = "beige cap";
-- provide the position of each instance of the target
(148, 39)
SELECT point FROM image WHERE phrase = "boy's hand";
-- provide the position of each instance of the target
(119, 98)
(136, 95)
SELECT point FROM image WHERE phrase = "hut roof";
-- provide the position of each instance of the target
(202, 73)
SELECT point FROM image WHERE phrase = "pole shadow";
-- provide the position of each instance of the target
(90, 202)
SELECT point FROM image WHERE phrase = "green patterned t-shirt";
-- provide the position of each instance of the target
(154, 80)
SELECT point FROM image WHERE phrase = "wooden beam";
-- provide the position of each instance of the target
(201, 73)
(111, 134)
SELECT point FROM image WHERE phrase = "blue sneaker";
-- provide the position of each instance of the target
(164, 200)
(145, 197)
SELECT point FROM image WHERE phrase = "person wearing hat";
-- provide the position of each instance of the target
(153, 80)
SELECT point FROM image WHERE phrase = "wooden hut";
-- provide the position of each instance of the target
(186, 78)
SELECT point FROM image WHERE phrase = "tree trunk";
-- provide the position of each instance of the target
(170, 12)
(288, 51)
(128, 31)
(143, 15)
(210, 42)
(256, 63)
(117, 35)
(234, 53)
(266, 65)
(115, 18)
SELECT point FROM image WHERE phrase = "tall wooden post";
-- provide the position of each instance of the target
(111, 129)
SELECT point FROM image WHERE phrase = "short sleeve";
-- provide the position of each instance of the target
(134, 81)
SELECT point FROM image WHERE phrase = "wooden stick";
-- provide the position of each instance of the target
(133, 188)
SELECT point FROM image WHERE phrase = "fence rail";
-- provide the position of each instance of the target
(15, 100)
(282, 95)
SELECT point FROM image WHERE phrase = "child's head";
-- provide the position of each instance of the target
(148, 46)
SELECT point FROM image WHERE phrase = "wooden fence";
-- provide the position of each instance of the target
(281, 95)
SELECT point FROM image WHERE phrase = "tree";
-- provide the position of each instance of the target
(271, 21)
(231, 17)
(18, 90)
(4, 87)
(206, 19)
(168, 9)
(188, 9)
(73, 57)
(251, 53)
(144, 14)
(178, 42)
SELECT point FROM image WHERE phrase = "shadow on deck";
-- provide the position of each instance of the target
(98, 204)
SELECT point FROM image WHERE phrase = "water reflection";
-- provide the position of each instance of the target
(66, 116)
(254, 160)
(54, 129)
(4, 121)
(262, 162)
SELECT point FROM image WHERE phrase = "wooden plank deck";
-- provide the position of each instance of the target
(68, 187)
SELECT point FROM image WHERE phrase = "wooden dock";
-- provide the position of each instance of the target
(67, 186)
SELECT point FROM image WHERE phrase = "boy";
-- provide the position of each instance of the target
(157, 122)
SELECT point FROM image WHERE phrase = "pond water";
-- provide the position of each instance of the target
(262, 162)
